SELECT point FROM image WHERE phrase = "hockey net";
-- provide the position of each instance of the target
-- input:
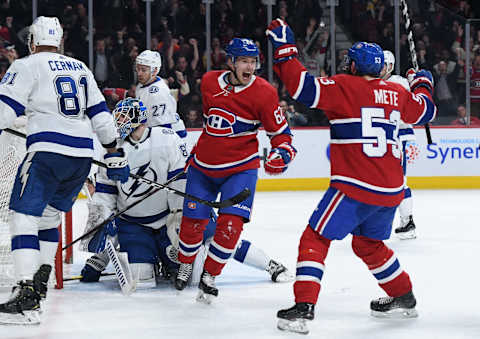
(12, 152)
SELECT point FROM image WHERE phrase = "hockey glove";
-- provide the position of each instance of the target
(97, 243)
(279, 158)
(422, 78)
(117, 166)
(282, 39)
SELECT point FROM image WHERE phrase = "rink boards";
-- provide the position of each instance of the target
(451, 162)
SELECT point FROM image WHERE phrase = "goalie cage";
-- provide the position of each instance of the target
(12, 152)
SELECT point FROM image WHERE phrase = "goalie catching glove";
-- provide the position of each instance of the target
(97, 243)
(279, 158)
(282, 39)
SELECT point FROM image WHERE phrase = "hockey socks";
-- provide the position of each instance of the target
(313, 250)
(229, 228)
(383, 264)
(190, 238)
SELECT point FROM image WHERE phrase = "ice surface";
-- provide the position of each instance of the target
(442, 262)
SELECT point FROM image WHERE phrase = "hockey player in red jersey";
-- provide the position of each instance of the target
(225, 159)
(366, 174)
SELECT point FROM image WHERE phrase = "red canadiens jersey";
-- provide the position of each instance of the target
(232, 115)
(364, 115)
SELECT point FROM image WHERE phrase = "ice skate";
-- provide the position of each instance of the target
(184, 273)
(207, 290)
(395, 307)
(406, 229)
(278, 272)
(40, 280)
(23, 307)
(294, 319)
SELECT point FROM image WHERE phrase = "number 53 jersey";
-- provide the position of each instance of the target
(62, 101)
(365, 116)
(232, 116)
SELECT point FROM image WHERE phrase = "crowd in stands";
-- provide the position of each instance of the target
(178, 33)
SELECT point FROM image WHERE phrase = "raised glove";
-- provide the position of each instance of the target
(283, 40)
(117, 166)
(279, 158)
(422, 78)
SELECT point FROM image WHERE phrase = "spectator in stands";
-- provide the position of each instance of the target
(462, 118)
(445, 75)
(193, 119)
(101, 63)
(294, 118)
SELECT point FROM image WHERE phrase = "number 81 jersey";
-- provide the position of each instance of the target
(62, 101)
(365, 116)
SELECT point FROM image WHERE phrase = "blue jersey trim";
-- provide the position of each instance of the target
(174, 173)
(98, 108)
(50, 235)
(219, 253)
(104, 188)
(311, 271)
(309, 91)
(15, 105)
(228, 167)
(188, 249)
(61, 139)
(353, 130)
(241, 251)
(25, 241)
(429, 110)
(388, 271)
(182, 133)
(145, 220)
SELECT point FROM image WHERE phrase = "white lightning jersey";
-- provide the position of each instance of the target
(161, 105)
(159, 155)
(62, 102)
(406, 130)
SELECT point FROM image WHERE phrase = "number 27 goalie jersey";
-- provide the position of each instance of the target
(364, 116)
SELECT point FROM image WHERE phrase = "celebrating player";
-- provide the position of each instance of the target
(62, 101)
(155, 94)
(406, 230)
(225, 159)
(367, 181)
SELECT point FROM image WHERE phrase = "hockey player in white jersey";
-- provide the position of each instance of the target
(406, 230)
(155, 94)
(64, 107)
(158, 154)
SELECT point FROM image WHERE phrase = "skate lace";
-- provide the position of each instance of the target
(385, 300)
(184, 272)
(208, 279)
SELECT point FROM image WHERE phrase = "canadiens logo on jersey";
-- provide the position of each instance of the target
(220, 122)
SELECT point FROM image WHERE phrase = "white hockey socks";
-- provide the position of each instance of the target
(250, 255)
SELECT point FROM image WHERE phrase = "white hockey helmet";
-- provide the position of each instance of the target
(150, 58)
(45, 31)
(389, 61)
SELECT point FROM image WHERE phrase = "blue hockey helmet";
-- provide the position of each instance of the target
(242, 47)
(129, 113)
(368, 58)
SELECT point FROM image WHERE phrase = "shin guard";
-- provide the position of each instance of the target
(383, 264)
(190, 238)
(229, 228)
(312, 251)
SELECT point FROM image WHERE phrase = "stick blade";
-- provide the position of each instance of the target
(233, 200)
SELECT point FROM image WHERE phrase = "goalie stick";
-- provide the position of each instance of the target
(114, 216)
(215, 204)
(413, 55)
(78, 277)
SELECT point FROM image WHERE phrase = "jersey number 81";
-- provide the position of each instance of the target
(67, 92)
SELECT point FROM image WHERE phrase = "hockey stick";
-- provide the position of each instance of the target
(215, 204)
(79, 277)
(114, 216)
(413, 55)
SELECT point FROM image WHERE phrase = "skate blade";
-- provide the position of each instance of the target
(295, 326)
(407, 235)
(398, 313)
(284, 277)
(27, 318)
(205, 298)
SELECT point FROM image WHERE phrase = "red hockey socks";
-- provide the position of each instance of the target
(229, 228)
(190, 238)
(383, 264)
(312, 251)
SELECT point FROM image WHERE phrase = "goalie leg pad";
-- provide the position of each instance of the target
(138, 241)
(312, 251)
(383, 264)
(229, 228)
(144, 275)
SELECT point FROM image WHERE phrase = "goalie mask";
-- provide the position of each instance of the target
(45, 31)
(129, 114)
